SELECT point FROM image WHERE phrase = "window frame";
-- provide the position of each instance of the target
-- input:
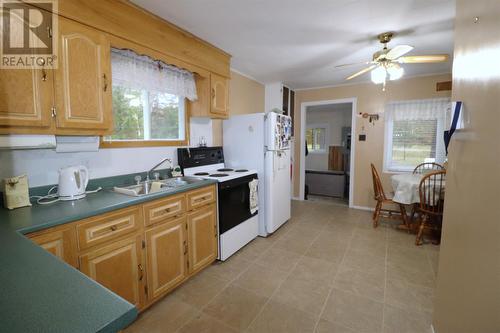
(388, 138)
(327, 138)
(117, 42)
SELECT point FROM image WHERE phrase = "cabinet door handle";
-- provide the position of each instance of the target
(213, 92)
(105, 82)
(185, 248)
(167, 210)
(141, 271)
(113, 228)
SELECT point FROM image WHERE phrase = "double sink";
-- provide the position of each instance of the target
(154, 186)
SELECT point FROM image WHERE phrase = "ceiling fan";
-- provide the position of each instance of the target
(385, 63)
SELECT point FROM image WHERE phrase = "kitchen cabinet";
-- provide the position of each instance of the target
(26, 98)
(281, 97)
(202, 235)
(119, 267)
(213, 96)
(166, 248)
(219, 89)
(83, 80)
(60, 241)
(143, 251)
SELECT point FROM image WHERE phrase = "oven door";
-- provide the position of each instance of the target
(234, 202)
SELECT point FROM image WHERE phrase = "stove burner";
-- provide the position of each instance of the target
(219, 175)
(241, 170)
(201, 174)
(225, 169)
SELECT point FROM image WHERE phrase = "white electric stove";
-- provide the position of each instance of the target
(237, 225)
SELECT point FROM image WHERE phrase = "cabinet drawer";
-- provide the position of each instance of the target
(97, 230)
(163, 209)
(200, 197)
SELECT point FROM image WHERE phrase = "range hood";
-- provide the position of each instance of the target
(61, 144)
(27, 142)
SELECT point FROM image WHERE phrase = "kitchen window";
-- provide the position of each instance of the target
(149, 101)
(414, 133)
(316, 138)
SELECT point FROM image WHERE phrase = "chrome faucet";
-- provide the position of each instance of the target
(157, 165)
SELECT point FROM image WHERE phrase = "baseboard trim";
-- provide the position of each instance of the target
(363, 208)
(297, 198)
(432, 329)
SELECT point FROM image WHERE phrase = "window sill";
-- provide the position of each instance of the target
(138, 144)
(397, 171)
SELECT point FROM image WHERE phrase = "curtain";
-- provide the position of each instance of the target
(135, 71)
(423, 109)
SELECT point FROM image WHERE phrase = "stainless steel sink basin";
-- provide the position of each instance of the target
(154, 186)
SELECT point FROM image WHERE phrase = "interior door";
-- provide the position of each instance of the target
(83, 78)
(166, 247)
(118, 267)
(202, 233)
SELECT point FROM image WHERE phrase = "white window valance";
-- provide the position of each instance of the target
(423, 109)
(135, 71)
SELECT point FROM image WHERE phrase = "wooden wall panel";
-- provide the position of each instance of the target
(123, 19)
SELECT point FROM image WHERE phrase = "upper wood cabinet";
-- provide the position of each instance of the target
(83, 79)
(202, 237)
(60, 241)
(219, 90)
(213, 96)
(119, 267)
(26, 98)
(166, 248)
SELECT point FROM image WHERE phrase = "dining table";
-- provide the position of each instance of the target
(406, 192)
(405, 188)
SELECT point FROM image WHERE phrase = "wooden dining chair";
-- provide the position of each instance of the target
(427, 167)
(382, 199)
(431, 190)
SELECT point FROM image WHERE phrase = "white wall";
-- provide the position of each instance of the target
(42, 165)
(334, 117)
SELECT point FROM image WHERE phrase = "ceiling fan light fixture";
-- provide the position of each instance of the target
(378, 75)
(395, 71)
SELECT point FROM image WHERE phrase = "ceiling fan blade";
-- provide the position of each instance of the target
(422, 59)
(354, 63)
(363, 71)
(398, 51)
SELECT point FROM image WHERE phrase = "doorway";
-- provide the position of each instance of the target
(327, 150)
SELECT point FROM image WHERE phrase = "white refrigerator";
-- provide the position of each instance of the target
(261, 141)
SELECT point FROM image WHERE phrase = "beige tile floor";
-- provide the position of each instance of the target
(327, 270)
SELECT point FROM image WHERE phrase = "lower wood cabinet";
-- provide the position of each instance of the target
(202, 237)
(119, 267)
(166, 252)
(141, 259)
(60, 241)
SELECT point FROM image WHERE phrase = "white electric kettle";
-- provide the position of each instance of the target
(73, 182)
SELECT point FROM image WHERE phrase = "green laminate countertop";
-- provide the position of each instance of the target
(40, 293)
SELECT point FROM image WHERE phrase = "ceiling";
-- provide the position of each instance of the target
(299, 42)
